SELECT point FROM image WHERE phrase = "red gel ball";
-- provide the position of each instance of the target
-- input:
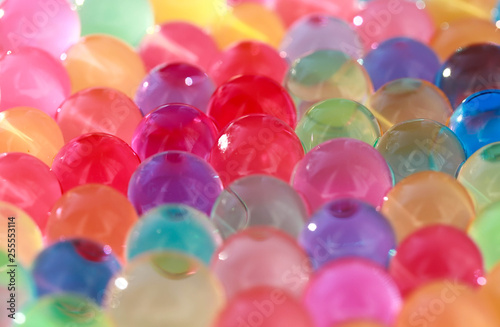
(250, 94)
(256, 144)
(28, 183)
(248, 58)
(95, 158)
(175, 127)
(434, 253)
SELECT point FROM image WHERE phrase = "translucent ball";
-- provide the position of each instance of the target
(406, 99)
(95, 158)
(256, 144)
(259, 200)
(174, 177)
(442, 13)
(262, 256)
(175, 127)
(427, 198)
(342, 168)
(468, 71)
(350, 289)
(95, 212)
(98, 110)
(490, 291)
(175, 228)
(33, 78)
(420, 145)
(361, 323)
(336, 118)
(484, 230)
(173, 289)
(199, 12)
(174, 83)
(29, 130)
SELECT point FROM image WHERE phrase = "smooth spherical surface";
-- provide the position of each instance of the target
(361, 323)
(342, 168)
(256, 144)
(174, 83)
(259, 200)
(442, 13)
(262, 256)
(427, 198)
(292, 10)
(95, 158)
(174, 177)
(490, 291)
(484, 230)
(98, 110)
(352, 289)
(199, 12)
(95, 212)
(420, 145)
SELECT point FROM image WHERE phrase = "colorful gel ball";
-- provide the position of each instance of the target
(484, 230)
(200, 12)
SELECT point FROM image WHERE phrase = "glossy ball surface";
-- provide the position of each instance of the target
(199, 12)
(490, 291)
(484, 230)
(441, 11)
(292, 10)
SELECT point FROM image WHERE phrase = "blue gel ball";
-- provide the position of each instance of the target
(174, 227)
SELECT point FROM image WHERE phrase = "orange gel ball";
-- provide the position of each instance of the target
(490, 292)
(448, 11)
(361, 323)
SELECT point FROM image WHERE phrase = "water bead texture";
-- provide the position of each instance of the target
(31, 131)
(318, 32)
(427, 198)
(172, 289)
(29, 184)
(96, 212)
(436, 252)
(361, 323)
(33, 78)
(348, 228)
(442, 13)
(100, 60)
(248, 58)
(342, 168)
(351, 289)
(50, 25)
(399, 58)
(256, 144)
(76, 266)
(485, 231)
(113, 18)
(174, 228)
(420, 145)
(178, 42)
(174, 177)
(98, 110)
(490, 292)
(95, 158)
(259, 200)
(262, 256)
(469, 70)
(406, 99)
(200, 12)
(337, 118)
(251, 94)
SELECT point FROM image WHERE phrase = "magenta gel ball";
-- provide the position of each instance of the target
(348, 228)
(352, 289)
(342, 168)
(175, 127)
(174, 83)
(174, 177)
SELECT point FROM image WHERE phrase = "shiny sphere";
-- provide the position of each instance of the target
(199, 12)
(442, 13)
(292, 10)
(484, 230)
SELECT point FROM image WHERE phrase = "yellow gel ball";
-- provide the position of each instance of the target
(199, 12)
(448, 11)
(29, 130)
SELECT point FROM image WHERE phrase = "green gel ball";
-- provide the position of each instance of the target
(485, 231)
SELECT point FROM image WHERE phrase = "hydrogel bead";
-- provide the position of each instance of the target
(442, 13)
(420, 145)
(33, 78)
(99, 60)
(427, 198)
(29, 130)
(256, 144)
(98, 110)
(192, 293)
(76, 266)
(95, 212)
(174, 83)
(406, 99)
(361, 323)
(259, 200)
(174, 177)
(199, 12)
(342, 168)
(490, 291)
(336, 118)
(484, 230)
(95, 158)
(351, 289)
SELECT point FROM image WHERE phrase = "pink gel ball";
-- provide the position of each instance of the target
(342, 168)
(352, 289)
(175, 127)
(31, 77)
(28, 183)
